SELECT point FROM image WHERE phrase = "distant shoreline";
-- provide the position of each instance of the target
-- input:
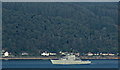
(46, 58)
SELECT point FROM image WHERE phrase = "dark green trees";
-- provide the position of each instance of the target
(85, 27)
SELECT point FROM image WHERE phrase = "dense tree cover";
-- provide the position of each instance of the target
(35, 27)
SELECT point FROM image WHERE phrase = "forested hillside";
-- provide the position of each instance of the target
(85, 27)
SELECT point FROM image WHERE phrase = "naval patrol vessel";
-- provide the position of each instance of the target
(69, 59)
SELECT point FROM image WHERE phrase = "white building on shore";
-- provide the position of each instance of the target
(52, 54)
(90, 54)
(45, 54)
(107, 54)
(6, 54)
(24, 53)
(63, 53)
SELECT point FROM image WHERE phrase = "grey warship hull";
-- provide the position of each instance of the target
(70, 62)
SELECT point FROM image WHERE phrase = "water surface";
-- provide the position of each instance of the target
(99, 63)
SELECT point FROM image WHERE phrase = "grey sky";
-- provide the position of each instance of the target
(60, 0)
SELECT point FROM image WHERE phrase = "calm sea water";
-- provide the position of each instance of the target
(104, 63)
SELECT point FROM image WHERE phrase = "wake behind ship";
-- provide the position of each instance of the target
(70, 59)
